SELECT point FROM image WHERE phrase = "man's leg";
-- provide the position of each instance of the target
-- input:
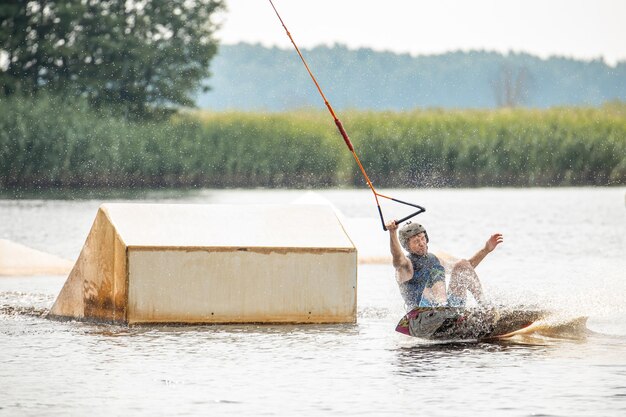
(462, 279)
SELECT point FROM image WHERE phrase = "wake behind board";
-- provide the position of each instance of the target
(449, 323)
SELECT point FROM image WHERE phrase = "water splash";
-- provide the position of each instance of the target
(17, 303)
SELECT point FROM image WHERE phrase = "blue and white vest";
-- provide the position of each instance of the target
(427, 270)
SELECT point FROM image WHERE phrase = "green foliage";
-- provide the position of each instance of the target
(137, 57)
(268, 150)
(58, 142)
(518, 148)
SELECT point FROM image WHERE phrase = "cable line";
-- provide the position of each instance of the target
(346, 139)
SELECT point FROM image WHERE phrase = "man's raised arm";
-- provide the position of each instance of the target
(403, 266)
(490, 245)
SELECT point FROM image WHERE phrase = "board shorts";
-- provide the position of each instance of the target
(453, 301)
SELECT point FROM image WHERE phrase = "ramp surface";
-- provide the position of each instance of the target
(154, 263)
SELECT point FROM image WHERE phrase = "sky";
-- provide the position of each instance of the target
(580, 29)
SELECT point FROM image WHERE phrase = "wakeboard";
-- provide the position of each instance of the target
(451, 323)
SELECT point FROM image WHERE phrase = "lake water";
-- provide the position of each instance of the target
(564, 250)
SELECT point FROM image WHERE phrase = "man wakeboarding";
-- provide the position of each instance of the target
(421, 276)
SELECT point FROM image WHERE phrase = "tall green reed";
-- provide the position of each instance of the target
(51, 141)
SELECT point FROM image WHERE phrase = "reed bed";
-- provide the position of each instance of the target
(57, 142)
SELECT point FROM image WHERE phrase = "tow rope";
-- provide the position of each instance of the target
(346, 139)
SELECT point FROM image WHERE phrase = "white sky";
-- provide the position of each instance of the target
(582, 29)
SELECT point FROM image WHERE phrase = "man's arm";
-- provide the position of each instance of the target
(403, 266)
(490, 245)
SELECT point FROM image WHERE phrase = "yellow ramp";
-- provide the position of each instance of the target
(16, 259)
(177, 263)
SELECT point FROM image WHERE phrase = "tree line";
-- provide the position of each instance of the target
(257, 78)
(97, 93)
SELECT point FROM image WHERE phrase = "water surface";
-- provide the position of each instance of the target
(565, 249)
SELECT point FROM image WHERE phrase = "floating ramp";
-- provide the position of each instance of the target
(177, 263)
(16, 259)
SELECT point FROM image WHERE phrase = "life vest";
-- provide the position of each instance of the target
(427, 270)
